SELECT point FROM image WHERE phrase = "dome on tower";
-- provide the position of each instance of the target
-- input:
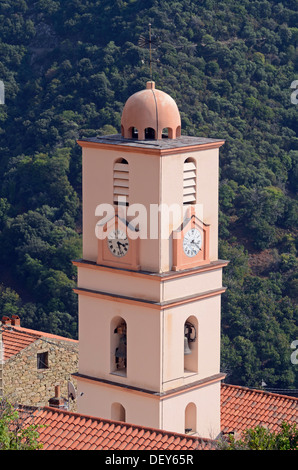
(150, 114)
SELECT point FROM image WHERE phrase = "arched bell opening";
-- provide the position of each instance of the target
(119, 346)
(191, 345)
(178, 131)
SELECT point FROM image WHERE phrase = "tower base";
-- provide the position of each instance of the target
(181, 410)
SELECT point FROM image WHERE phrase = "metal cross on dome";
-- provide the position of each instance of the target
(151, 41)
(154, 42)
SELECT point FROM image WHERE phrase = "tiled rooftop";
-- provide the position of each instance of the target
(15, 341)
(241, 408)
(64, 430)
(15, 338)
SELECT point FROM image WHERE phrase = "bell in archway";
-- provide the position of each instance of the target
(120, 353)
(121, 350)
(187, 350)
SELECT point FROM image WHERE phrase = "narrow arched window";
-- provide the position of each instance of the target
(121, 182)
(189, 181)
(119, 346)
(191, 345)
(118, 412)
(191, 419)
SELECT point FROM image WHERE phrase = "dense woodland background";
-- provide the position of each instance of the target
(68, 68)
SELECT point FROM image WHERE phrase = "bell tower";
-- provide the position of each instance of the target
(150, 281)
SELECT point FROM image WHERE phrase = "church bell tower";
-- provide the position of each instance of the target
(150, 281)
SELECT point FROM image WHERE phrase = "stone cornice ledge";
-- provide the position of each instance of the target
(149, 303)
(219, 264)
(160, 395)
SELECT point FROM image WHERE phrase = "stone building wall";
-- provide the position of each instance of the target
(25, 383)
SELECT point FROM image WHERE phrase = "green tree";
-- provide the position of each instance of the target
(261, 438)
(15, 432)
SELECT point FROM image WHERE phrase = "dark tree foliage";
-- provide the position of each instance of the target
(69, 66)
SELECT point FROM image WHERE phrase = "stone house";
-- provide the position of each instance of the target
(34, 363)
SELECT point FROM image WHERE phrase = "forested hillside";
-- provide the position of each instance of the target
(69, 66)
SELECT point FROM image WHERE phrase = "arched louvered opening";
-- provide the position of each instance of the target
(178, 131)
(121, 182)
(189, 181)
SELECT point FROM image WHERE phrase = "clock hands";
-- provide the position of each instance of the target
(192, 243)
(121, 244)
(118, 243)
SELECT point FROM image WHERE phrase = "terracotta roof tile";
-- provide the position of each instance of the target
(253, 407)
(241, 408)
(15, 342)
(122, 446)
(16, 338)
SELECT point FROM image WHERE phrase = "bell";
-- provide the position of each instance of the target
(121, 350)
(186, 346)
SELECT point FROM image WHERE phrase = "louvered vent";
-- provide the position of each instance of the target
(121, 183)
(189, 182)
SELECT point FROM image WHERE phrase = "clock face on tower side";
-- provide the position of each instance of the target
(118, 243)
(192, 242)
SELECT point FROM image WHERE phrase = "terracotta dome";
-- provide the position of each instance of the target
(149, 113)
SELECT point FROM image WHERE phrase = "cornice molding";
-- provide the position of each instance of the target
(148, 303)
(159, 152)
(151, 393)
(161, 277)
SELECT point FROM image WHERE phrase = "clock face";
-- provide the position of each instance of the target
(118, 243)
(192, 242)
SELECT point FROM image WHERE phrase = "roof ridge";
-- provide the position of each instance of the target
(21, 330)
(37, 333)
(255, 390)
